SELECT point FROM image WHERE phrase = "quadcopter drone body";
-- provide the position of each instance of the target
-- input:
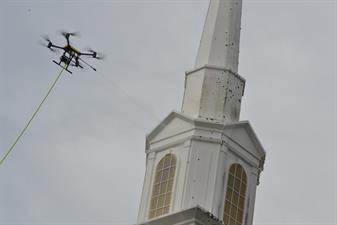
(71, 56)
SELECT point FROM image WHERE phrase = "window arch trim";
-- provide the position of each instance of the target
(235, 195)
(162, 186)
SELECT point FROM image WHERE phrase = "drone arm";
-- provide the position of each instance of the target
(55, 46)
(93, 54)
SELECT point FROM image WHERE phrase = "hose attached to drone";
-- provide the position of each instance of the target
(32, 118)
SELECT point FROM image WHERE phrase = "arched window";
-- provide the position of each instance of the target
(235, 195)
(162, 186)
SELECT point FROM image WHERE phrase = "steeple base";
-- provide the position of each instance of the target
(213, 94)
(192, 216)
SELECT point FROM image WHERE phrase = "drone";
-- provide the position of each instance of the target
(71, 56)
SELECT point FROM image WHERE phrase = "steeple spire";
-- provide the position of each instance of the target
(213, 90)
(219, 45)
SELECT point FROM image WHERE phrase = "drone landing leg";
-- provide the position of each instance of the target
(56, 62)
(93, 68)
(59, 64)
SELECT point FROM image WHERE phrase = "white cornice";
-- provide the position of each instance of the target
(215, 68)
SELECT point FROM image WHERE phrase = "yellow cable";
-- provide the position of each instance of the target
(31, 119)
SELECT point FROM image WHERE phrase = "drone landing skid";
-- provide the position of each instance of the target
(66, 68)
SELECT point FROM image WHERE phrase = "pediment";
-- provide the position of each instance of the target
(238, 134)
(174, 123)
(243, 134)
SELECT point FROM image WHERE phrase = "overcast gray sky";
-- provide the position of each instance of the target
(82, 161)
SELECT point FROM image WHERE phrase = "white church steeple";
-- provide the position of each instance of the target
(203, 164)
(213, 89)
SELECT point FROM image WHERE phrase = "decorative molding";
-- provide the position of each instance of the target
(191, 216)
(212, 67)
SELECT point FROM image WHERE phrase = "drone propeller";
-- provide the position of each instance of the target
(96, 55)
(100, 57)
(46, 38)
(90, 50)
(67, 34)
(48, 45)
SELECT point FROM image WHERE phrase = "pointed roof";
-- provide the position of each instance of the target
(183, 122)
(219, 45)
(242, 134)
